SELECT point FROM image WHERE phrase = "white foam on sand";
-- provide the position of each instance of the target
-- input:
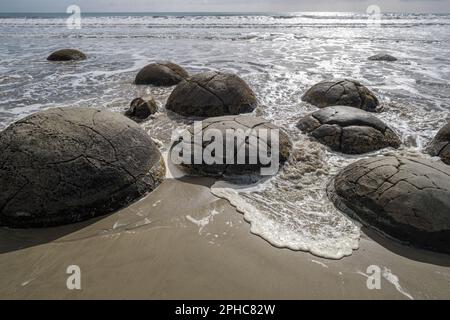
(320, 263)
(204, 221)
(291, 210)
(332, 241)
(394, 280)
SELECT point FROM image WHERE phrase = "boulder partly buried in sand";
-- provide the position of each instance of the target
(239, 139)
(405, 198)
(440, 146)
(349, 130)
(140, 109)
(382, 57)
(161, 74)
(65, 165)
(212, 94)
(341, 93)
(66, 55)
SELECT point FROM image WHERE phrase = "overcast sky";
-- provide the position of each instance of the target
(434, 6)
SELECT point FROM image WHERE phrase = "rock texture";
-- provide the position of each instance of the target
(141, 109)
(68, 164)
(66, 55)
(406, 198)
(349, 130)
(383, 57)
(161, 74)
(238, 125)
(341, 93)
(212, 94)
(440, 146)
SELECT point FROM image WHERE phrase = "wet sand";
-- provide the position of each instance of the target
(182, 242)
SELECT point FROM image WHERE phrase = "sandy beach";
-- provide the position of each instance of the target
(197, 246)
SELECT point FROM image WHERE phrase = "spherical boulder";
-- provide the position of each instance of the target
(237, 145)
(440, 146)
(66, 55)
(161, 74)
(65, 165)
(141, 109)
(341, 93)
(349, 130)
(405, 198)
(383, 57)
(212, 94)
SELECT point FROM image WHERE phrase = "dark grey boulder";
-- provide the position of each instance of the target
(240, 126)
(341, 93)
(405, 198)
(140, 109)
(349, 130)
(161, 74)
(383, 57)
(67, 55)
(65, 165)
(212, 94)
(440, 146)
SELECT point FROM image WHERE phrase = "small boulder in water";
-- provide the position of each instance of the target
(383, 57)
(65, 165)
(212, 94)
(440, 146)
(341, 93)
(349, 130)
(161, 74)
(405, 198)
(141, 109)
(67, 55)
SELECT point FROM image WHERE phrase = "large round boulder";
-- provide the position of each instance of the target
(236, 146)
(440, 146)
(212, 94)
(383, 57)
(349, 130)
(161, 74)
(68, 164)
(341, 93)
(405, 198)
(67, 55)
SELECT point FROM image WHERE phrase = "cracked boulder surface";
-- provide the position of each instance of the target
(163, 74)
(440, 146)
(383, 57)
(349, 130)
(212, 94)
(140, 109)
(405, 198)
(246, 135)
(67, 55)
(65, 165)
(343, 92)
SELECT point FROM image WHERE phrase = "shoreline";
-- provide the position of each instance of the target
(154, 250)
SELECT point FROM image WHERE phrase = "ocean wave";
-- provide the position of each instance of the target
(222, 20)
